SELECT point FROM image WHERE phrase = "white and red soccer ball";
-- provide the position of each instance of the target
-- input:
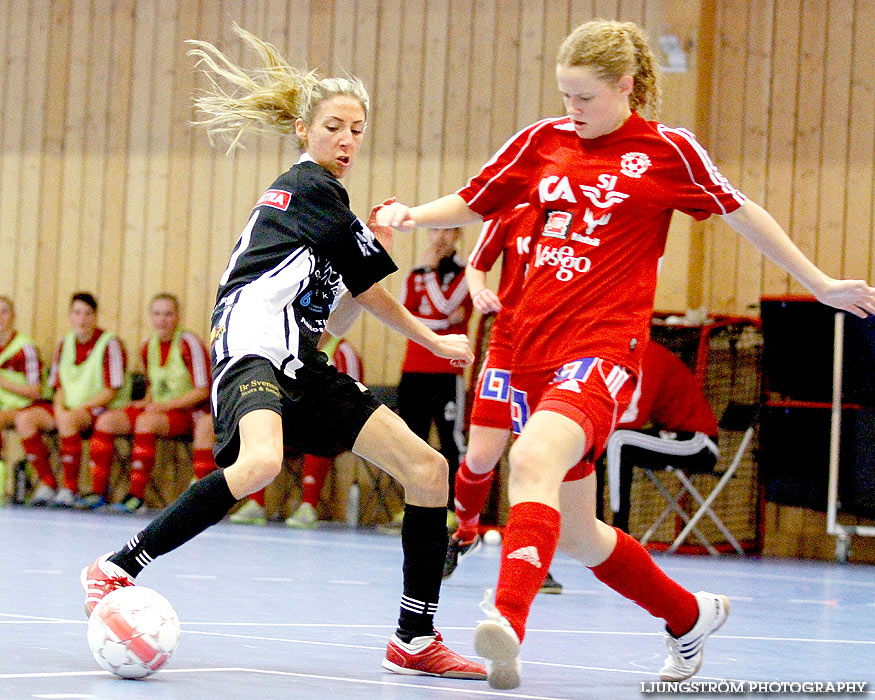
(133, 631)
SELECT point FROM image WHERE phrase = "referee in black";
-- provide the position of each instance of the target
(304, 256)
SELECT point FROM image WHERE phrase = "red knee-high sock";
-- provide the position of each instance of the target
(471, 491)
(202, 462)
(142, 462)
(71, 460)
(315, 471)
(631, 571)
(258, 497)
(101, 454)
(38, 456)
(530, 538)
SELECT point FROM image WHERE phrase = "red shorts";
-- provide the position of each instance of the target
(181, 420)
(491, 407)
(592, 392)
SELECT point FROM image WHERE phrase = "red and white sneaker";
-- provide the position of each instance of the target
(101, 577)
(429, 656)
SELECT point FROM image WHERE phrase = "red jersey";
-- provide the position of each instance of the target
(346, 359)
(668, 396)
(437, 296)
(604, 209)
(194, 355)
(26, 361)
(114, 360)
(508, 235)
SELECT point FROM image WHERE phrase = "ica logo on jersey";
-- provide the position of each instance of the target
(563, 259)
(603, 195)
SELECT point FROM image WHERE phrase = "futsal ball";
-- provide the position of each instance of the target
(133, 631)
(492, 537)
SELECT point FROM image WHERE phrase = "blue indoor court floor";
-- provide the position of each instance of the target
(275, 613)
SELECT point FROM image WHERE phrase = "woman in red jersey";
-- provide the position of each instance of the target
(606, 182)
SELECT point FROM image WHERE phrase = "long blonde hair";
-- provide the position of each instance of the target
(615, 49)
(268, 99)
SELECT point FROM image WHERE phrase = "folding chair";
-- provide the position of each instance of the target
(737, 418)
(727, 363)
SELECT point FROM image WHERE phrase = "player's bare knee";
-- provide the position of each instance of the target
(527, 460)
(427, 476)
(480, 461)
(256, 468)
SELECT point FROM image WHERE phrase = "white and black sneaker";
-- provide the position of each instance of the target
(43, 496)
(497, 642)
(457, 550)
(685, 652)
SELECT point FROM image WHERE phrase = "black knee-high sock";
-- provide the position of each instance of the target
(201, 505)
(424, 543)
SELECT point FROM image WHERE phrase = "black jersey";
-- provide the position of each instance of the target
(301, 247)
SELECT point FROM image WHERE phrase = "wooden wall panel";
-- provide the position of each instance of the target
(859, 222)
(13, 42)
(104, 185)
(24, 287)
(809, 80)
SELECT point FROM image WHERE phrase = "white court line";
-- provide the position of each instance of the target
(51, 572)
(833, 602)
(274, 579)
(38, 619)
(186, 624)
(771, 577)
(803, 640)
(313, 676)
(290, 537)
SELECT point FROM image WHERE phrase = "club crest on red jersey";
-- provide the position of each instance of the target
(634, 164)
(278, 199)
(558, 224)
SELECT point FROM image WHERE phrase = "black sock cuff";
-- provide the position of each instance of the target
(420, 516)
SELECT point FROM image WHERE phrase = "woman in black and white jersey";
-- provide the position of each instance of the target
(303, 255)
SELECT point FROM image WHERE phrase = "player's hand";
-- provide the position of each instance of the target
(853, 296)
(384, 234)
(486, 301)
(396, 215)
(454, 348)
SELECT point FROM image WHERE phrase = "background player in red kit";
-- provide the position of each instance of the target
(668, 421)
(431, 390)
(21, 376)
(176, 404)
(606, 183)
(88, 375)
(509, 237)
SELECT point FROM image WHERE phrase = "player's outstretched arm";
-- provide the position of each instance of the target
(390, 311)
(485, 300)
(757, 225)
(446, 212)
(343, 316)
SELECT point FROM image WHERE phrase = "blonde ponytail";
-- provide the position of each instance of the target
(268, 99)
